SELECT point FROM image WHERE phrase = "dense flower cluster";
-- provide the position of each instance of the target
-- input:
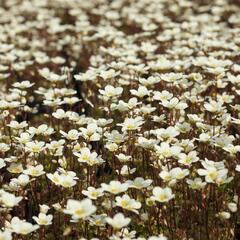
(119, 119)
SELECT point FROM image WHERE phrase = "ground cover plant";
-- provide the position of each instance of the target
(119, 119)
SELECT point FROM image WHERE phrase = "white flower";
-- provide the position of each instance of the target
(86, 156)
(110, 91)
(150, 80)
(112, 147)
(164, 134)
(128, 203)
(148, 47)
(141, 92)
(120, 106)
(174, 103)
(4, 147)
(224, 215)
(126, 170)
(118, 221)
(93, 193)
(65, 179)
(15, 168)
(79, 209)
(130, 124)
(123, 158)
(232, 149)
(89, 75)
(92, 132)
(23, 84)
(214, 172)
(188, 159)
(161, 64)
(9, 200)
(146, 143)
(232, 206)
(164, 95)
(58, 60)
(71, 100)
(54, 145)
(34, 171)
(60, 114)
(43, 219)
(115, 187)
(51, 76)
(214, 106)
(44, 208)
(166, 176)
(72, 135)
(43, 129)
(115, 137)
(196, 184)
(178, 173)
(98, 220)
(194, 118)
(24, 138)
(17, 125)
(183, 127)
(21, 226)
(125, 234)
(167, 151)
(5, 235)
(204, 137)
(107, 74)
(162, 194)
(147, 109)
(139, 183)
(35, 147)
(2, 163)
(102, 122)
(22, 180)
(132, 102)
